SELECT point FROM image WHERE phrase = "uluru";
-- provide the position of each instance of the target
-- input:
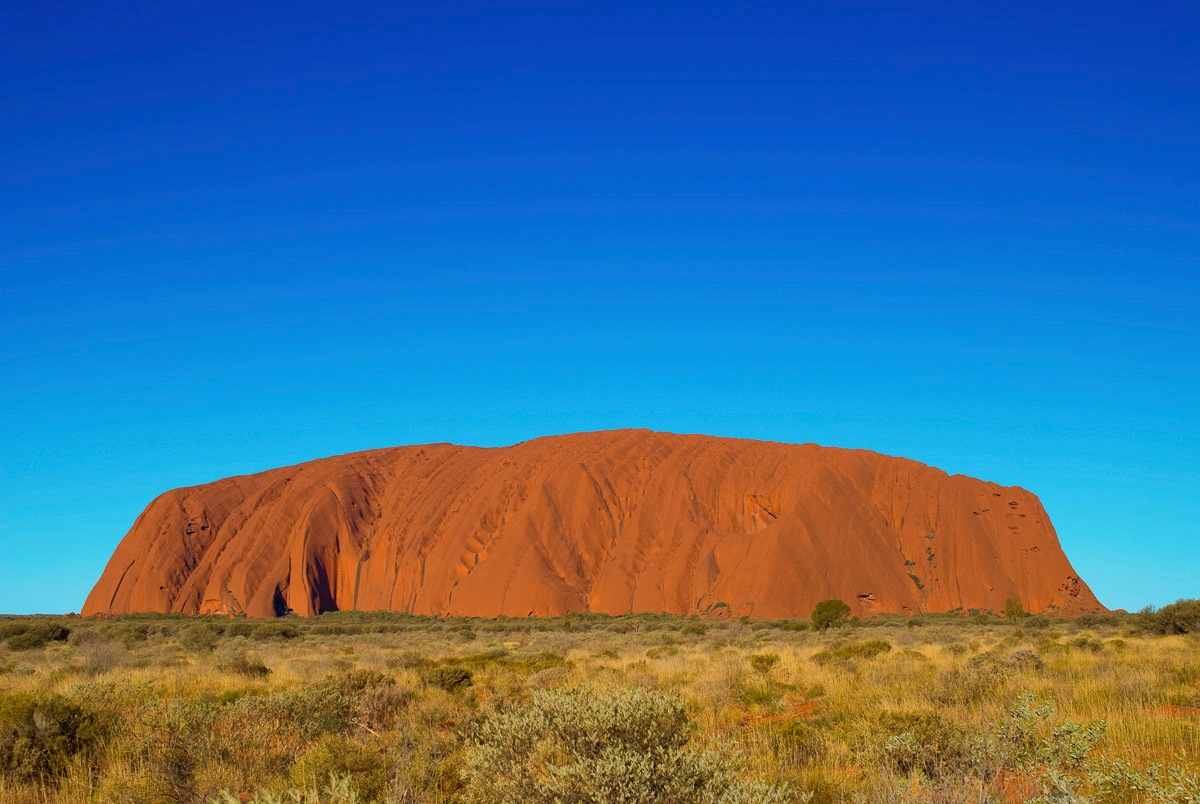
(615, 522)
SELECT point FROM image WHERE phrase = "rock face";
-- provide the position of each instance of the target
(614, 522)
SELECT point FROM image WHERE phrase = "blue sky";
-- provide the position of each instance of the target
(236, 236)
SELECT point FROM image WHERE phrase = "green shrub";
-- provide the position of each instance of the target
(599, 745)
(761, 693)
(1030, 737)
(52, 632)
(238, 628)
(1088, 643)
(525, 664)
(25, 642)
(40, 733)
(360, 680)
(984, 676)
(829, 614)
(1038, 621)
(46, 630)
(127, 634)
(448, 678)
(855, 650)
(200, 637)
(267, 631)
(795, 743)
(27, 635)
(1180, 617)
(922, 741)
(1096, 620)
(1116, 781)
(410, 660)
(173, 745)
(245, 665)
(380, 707)
(1013, 610)
(304, 713)
(100, 657)
(1026, 660)
(376, 698)
(337, 791)
(364, 766)
(764, 663)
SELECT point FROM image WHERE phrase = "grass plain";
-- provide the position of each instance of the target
(358, 707)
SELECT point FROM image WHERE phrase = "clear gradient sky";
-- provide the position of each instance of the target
(235, 236)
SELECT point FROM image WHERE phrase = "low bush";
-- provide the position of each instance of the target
(244, 665)
(25, 642)
(923, 741)
(764, 663)
(1116, 781)
(410, 660)
(1088, 643)
(29, 635)
(377, 699)
(238, 628)
(304, 713)
(337, 790)
(127, 634)
(365, 767)
(448, 678)
(985, 676)
(794, 743)
(360, 680)
(1030, 736)
(1180, 617)
(855, 650)
(379, 707)
(599, 745)
(40, 733)
(761, 693)
(267, 631)
(1026, 660)
(100, 657)
(1037, 622)
(200, 637)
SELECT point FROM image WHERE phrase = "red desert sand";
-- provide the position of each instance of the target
(615, 522)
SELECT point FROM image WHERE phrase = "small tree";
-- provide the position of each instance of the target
(829, 613)
(1013, 609)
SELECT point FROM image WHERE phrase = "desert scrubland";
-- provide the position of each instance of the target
(965, 707)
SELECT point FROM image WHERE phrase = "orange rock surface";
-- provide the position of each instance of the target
(615, 522)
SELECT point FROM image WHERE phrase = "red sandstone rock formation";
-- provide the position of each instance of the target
(614, 522)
